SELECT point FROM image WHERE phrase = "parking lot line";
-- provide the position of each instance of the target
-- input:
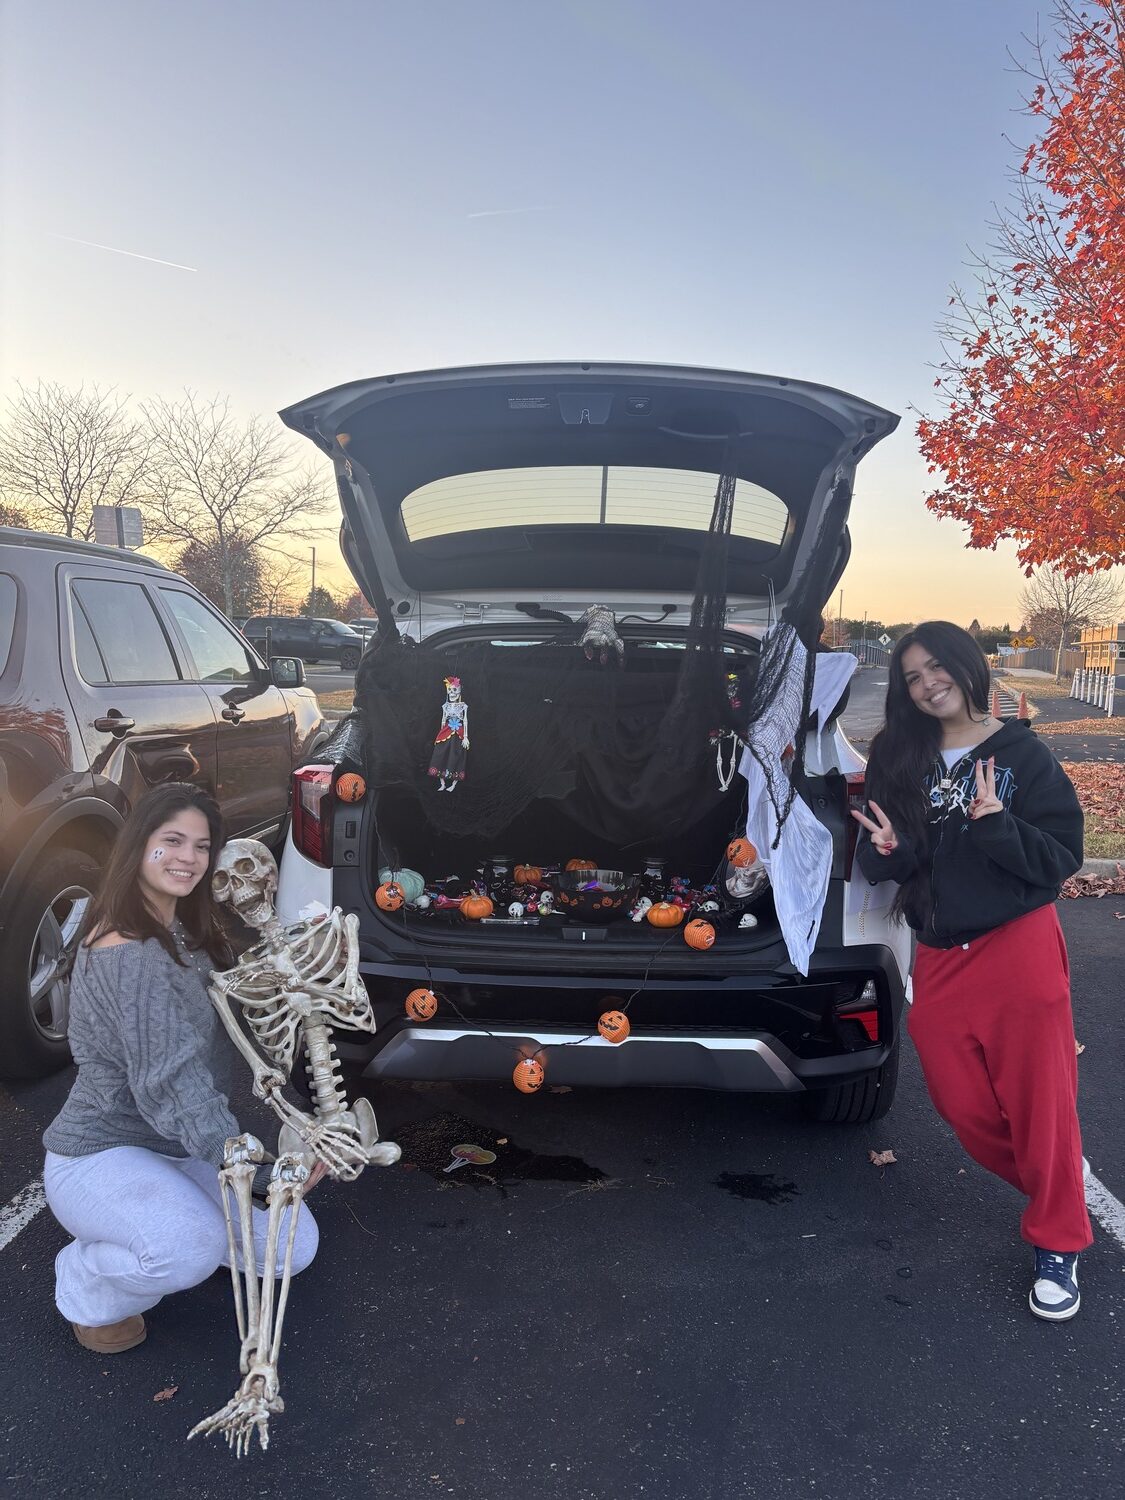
(19, 1213)
(1104, 1207)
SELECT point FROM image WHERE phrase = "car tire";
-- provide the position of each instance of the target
(349, 660)
(35, 959)
(858, 1103)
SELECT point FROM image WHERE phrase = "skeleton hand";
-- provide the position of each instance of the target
(267, 1082)
(337, 1145)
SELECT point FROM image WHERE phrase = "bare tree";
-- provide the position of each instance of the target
(230, 486)
(1054, 605)
(64, 451)
(278, 581)
(11, 515)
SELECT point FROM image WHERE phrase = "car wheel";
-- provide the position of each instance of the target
(856, 1103)
(349, 660)
(35, 962)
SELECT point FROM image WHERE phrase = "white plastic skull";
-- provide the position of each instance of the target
(642, 906)
(546, 904)
(246, 878)
(516, 909)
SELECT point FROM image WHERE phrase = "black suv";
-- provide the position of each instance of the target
(115, 675)
(309, 640)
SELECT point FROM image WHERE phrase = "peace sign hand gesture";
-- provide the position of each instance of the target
(882, 834)
(986, 801)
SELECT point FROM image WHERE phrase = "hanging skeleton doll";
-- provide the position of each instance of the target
(452, 741)
(290, 989)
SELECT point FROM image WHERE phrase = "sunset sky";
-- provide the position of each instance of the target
(315, 193)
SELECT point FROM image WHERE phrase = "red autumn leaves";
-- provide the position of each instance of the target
(1031, 441)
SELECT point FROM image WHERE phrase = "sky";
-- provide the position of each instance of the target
(351, 188)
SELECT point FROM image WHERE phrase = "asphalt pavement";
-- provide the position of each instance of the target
(668, 1296)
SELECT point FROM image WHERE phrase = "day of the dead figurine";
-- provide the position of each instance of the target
(448, 761)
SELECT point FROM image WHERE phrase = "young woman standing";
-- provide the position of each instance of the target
(979, 824)
(132, 1156)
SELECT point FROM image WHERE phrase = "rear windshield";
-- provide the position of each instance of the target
(678, 499)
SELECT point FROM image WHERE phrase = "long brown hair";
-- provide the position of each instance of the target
(908, 745)
(120, 906)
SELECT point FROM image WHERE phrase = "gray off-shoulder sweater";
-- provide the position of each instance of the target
(155, 1066)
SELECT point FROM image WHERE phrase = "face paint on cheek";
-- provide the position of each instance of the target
(156, 856)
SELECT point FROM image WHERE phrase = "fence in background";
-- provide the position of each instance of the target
(1090, 686)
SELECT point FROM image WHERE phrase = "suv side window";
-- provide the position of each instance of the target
(126, 631)
(7, 617)
(219, 655)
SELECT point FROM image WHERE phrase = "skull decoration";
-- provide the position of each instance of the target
(546, 904)
(515, 911)
(246, 878)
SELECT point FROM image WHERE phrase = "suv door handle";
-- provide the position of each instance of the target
(235, 715)
(115, 722)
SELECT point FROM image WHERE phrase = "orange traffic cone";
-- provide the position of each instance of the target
(1021, 712)
(995, 710)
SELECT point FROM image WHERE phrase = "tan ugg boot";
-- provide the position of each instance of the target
(112, 1338)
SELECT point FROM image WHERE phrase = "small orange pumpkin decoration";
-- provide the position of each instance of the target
(421, 1005)
(581, 864)
(664, 914)
(528, 1075)
(351, 787)
(476, 906)
(527, 874)
(699, 934)
(613, 1025)
(741, 853)
(389, 896)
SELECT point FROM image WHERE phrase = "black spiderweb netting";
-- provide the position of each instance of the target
(630, 752)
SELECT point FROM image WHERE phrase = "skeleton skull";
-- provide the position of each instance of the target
(246, 878)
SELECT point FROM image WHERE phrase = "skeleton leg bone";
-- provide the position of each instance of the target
(259, 1395)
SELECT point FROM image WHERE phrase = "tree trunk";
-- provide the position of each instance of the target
(1058, 656)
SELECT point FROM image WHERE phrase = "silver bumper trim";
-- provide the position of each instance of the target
(742, 1064)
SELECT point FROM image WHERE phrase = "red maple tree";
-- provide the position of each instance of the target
(1031, 438)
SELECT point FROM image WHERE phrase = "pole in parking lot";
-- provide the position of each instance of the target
(312, 591)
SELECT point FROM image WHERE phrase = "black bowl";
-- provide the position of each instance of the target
(595, 895)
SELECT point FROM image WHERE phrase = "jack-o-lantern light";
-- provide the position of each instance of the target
(741, 853)
(613, 1025)
(390, 896)
(528, 1075)
(421, 1005)
(351, 787)
(699, 934)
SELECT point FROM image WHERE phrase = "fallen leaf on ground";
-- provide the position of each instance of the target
(560, 1088)
(459, 1421)
(881, 1158)
(167, 1393)
(1079, 1047)
(501, 1140)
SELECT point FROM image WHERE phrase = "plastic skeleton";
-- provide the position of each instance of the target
(291, 988)
(599, 636)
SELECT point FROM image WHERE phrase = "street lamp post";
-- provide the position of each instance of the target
(312, 591)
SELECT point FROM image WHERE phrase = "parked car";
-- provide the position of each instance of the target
(311, 640)
(115, 675)
(365, 628)
(487, 509)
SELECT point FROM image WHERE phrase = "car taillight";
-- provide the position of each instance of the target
(856, 797)
(313, 804)
(863, 1009)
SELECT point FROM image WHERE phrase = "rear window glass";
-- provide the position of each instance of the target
(680, 499)
(7, 617)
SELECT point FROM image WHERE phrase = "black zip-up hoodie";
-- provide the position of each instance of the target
(986, 871)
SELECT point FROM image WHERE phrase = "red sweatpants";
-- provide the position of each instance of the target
(994, 1031)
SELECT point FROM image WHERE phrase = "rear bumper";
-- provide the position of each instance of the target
(744, 1064)
(764, 1032)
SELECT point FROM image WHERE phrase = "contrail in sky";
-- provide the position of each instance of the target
(495, 213)
(114, 250)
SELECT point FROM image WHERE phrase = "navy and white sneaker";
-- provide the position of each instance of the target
(1055, 1293)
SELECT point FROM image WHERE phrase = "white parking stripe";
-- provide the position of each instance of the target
(1104, 1207)
(19, 1213)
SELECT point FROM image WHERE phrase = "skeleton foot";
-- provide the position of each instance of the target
(247, 1412)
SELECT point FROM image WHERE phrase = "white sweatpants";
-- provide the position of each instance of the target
(144, 1225)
